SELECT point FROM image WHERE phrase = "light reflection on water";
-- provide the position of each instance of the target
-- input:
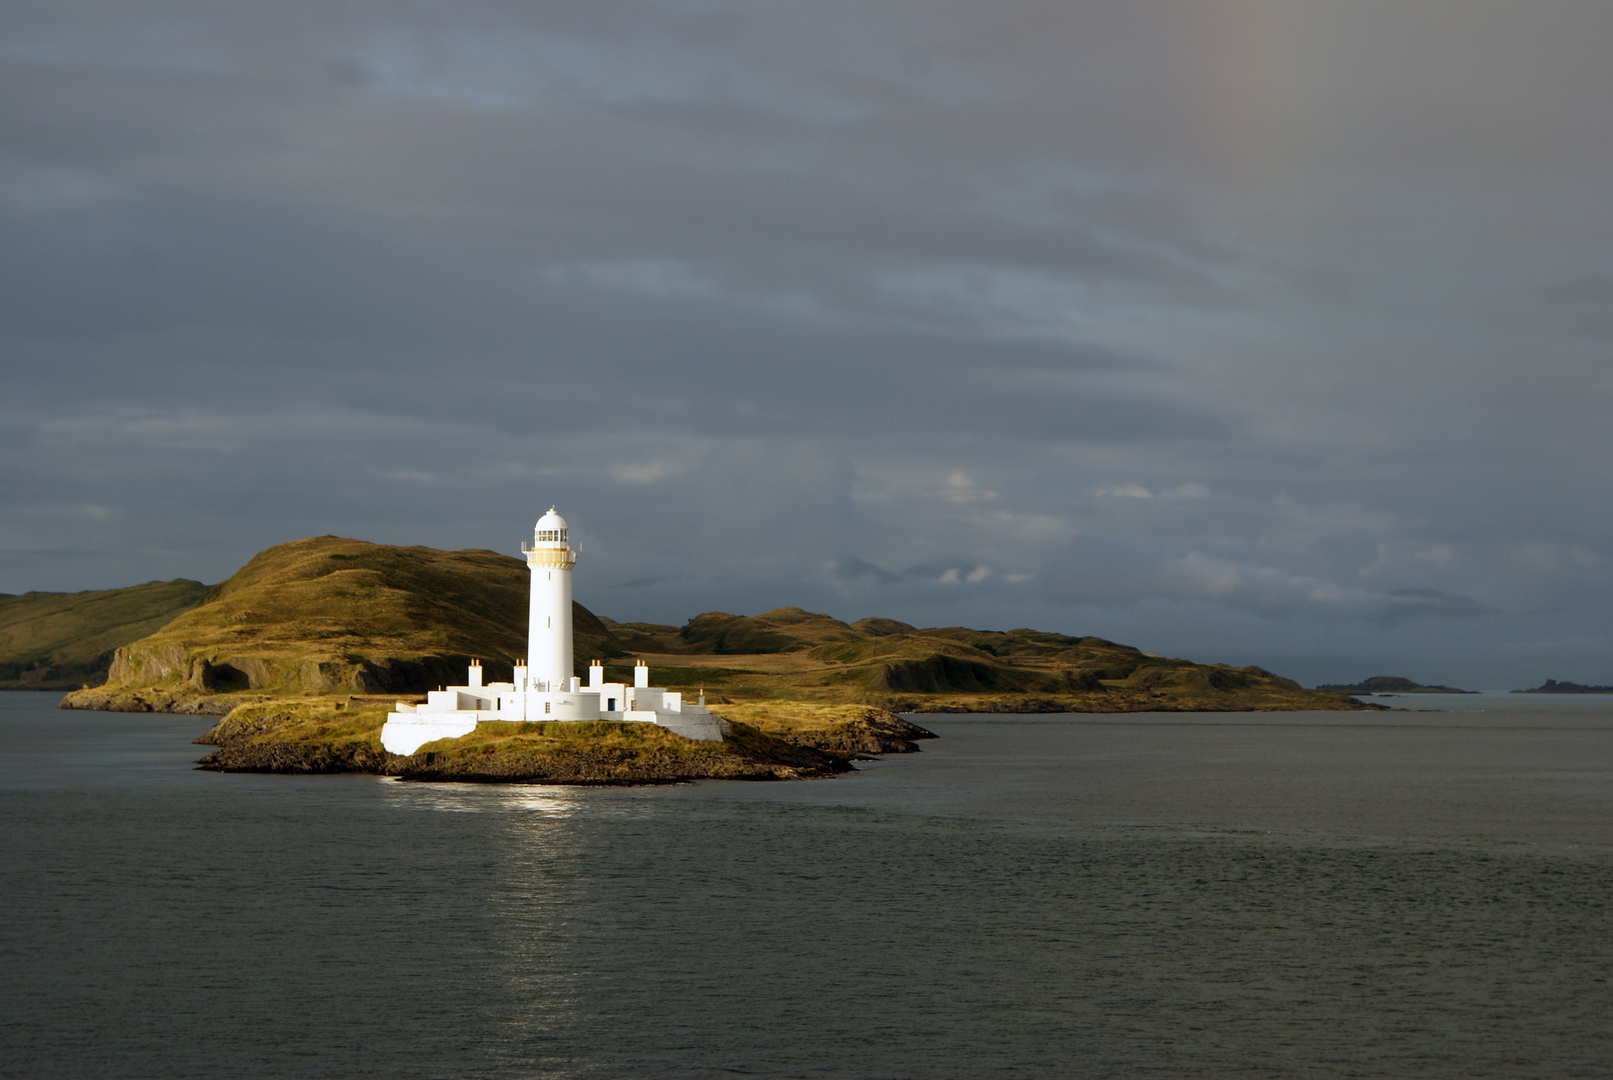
(548, 801)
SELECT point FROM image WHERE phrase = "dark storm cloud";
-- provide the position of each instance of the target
(1272, 329)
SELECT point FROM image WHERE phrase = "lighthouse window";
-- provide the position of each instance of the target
(546, 706)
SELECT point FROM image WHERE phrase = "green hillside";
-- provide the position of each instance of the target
(793, 655)
(59, 641)
(329, 614)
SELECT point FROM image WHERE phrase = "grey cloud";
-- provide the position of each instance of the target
(1589, 289)
(945, 572)
(854, 569)
(950, 571)
(642, 583)
(1431, 603)
(767, 278)
(1095, 572)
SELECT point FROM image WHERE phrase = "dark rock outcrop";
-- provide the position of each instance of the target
(182, 700)
(277, 757)
(877, 732)
(615, 769)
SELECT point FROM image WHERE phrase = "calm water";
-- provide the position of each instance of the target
(1392, 894)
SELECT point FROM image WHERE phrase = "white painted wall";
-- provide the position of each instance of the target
(404, 734)
(548, 640)
(549, 626)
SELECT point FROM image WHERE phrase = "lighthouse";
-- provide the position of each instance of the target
(548, 640)
(544, 690)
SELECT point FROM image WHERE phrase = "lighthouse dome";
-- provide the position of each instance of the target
(551, 529)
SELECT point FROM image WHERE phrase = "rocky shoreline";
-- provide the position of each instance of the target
(295, 737)
(151, 699)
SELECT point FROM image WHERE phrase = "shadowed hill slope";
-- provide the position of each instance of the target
(58, 641)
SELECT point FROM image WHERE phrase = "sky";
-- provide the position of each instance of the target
(1256, 333)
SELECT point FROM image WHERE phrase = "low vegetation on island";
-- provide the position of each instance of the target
(306, 648)
(318, 735)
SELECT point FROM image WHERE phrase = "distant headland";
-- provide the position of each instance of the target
(1552, 686)
(1391, 684)
(61, 641)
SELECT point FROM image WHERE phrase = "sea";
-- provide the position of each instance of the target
(1422, 893)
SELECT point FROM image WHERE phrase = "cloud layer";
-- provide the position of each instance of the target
(1272, 333)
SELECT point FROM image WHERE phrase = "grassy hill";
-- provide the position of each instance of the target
(59, 641)
(793, 655)
(330, 616)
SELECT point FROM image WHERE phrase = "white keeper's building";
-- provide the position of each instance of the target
(544, 688)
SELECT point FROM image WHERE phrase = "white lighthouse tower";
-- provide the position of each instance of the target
(545, 690)
(548, 638)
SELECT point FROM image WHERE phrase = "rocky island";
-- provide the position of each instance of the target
(1552, 686)
(305, 649)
